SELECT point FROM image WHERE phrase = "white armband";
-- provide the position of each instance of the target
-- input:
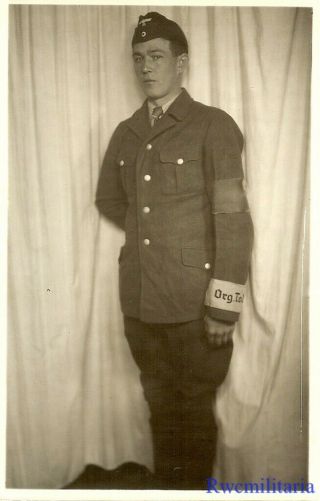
(225, 295)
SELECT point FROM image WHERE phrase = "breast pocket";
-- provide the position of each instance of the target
(181, 170)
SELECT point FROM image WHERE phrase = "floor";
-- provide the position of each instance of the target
(127, 476)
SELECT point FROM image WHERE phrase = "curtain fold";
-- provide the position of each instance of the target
(74, 395)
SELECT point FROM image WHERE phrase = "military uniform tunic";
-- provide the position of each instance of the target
(176, 189)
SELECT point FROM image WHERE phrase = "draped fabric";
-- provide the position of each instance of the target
(74, 395)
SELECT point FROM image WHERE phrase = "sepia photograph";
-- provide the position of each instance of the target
(158, 250)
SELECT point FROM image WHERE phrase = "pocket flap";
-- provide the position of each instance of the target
(198, 258)
(180, 155)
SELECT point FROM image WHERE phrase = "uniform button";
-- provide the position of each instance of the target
(146, 241)
(147, 177)
(122, 163)
(149, 146)
(207, 266)
(180, 161)
(146, 210)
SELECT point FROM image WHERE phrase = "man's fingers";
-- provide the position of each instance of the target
(215, 339)
(227, 337)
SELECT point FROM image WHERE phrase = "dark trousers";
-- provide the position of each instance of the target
(180, 372)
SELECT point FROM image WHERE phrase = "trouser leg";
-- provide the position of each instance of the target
(199, 371)
(180, 373)
(149, 348)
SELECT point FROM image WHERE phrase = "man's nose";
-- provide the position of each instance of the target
(146, 68)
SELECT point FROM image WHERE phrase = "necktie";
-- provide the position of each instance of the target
(156, 114)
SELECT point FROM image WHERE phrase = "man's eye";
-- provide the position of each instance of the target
(137, 59)
(155, 57)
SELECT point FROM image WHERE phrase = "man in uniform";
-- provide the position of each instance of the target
(172, 179)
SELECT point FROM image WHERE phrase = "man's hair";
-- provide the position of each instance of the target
(177, 48)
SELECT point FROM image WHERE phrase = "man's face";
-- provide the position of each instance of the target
(157, 69)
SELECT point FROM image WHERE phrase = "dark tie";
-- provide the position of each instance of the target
(156, 114)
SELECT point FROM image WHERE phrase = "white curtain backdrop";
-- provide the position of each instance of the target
(74, 395)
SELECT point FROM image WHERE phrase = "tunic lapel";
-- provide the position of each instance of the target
(139, 123)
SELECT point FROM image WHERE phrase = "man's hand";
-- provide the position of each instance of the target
(218, 332)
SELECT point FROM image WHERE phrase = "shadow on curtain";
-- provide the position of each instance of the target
(73, 390)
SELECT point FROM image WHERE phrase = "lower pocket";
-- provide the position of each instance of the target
(197, 258)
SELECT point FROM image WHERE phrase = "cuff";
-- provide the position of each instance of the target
(227, 317)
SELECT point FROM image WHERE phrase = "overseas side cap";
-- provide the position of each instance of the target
(155, 25)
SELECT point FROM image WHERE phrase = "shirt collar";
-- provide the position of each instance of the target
(164, 107)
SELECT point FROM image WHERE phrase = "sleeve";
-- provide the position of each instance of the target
(232, 224)
(111, 199)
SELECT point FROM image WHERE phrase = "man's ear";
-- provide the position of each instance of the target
(183, 60)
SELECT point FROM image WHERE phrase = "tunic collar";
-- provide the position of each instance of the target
(139, 122)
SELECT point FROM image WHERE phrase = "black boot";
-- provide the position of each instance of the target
(199, 442)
